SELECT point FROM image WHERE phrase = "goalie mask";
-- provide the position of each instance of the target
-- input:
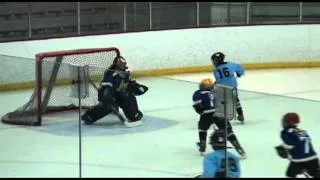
(290, 120)
(120, 63)
(206, 84)
(217, 58)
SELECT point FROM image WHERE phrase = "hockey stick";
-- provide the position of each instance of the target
(117, 113)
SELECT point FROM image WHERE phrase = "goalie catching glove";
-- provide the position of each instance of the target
(136, 88)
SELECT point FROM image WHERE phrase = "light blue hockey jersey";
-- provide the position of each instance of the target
(214, 165)
(227, 73)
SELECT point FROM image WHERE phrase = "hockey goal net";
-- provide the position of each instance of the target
(55, 86)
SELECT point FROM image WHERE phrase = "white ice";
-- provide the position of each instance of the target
(170, 151)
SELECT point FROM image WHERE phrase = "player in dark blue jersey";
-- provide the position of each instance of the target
(214, 162)
(226, 73)
(117, 89)
(204, 103)
(298, 148)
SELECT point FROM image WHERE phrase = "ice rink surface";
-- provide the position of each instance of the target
(165, 145)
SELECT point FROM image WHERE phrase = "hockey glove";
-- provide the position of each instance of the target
(282, 152)
(198, 108)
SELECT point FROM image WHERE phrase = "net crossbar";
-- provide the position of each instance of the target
(54, 82)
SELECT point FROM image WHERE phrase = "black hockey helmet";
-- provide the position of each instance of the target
(218, 139)
(120, 63)
(217, 58)
(290, 120)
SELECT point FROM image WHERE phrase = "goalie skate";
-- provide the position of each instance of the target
(126, 121)
(133, 124)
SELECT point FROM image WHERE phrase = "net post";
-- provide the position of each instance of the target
(38, 90)
(51, 83)
(225, 109)
(79, 123)
(80, 74)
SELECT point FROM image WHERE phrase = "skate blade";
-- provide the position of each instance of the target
(243, 157)
(241, 122)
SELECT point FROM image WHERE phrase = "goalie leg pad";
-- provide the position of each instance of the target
(129, 107)
(105, 94)
(95, 113)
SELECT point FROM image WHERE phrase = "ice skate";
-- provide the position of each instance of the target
(202, 148)
(133, 123)
(240, 118)
(241, 152)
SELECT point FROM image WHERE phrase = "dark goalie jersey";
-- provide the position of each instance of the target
(117, 80)
(298, 144)
(122, 83)
(204, 102)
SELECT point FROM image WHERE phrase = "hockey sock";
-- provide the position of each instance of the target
(239, 108)
(202, 136)
(239, 111)
(233, 140)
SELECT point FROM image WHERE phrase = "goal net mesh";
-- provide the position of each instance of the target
(55, 85)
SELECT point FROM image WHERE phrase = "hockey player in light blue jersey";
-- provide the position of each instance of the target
(214, 162)
(226, 73)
